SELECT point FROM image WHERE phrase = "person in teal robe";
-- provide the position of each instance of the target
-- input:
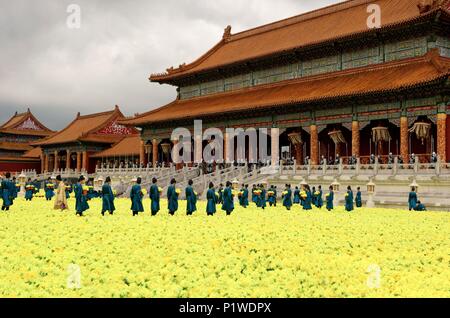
(211, 200)
(241, 196)
(358, 198)
(81, 204)
(263, 198)
(49, 189)
(29, 190)
(287, 197)
(314, 196)
(330, 199)
(258, 195)
(37, 186)
(107, 198)
(254, 195)
(155, 197)
(307, 202)
(220, 201)
(228, 201)
(245, 196)
(91, 192)
(16, 188)
(297, 198)
(136, 196)
(7, 188)
(272, 198)
(420, 207)
(412, 200)
(349, 200)
(191, 199)
(172, 197)
(69, 190)
(319, 198)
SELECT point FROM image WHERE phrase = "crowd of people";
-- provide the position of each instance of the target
(305, 197)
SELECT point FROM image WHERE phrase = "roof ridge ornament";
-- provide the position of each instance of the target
(227, 33)
(428, 5)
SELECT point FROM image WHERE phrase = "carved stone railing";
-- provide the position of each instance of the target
(376, 169)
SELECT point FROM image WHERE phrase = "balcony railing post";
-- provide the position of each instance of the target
(395, 168)
(438, 166)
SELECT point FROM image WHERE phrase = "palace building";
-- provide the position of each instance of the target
(75, 147)
(330, 82)
(16, 138)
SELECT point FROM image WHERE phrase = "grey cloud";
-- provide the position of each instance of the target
(57, 71)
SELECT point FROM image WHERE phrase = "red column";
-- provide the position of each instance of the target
(142, 153)
(155, 144)
(68, 160)
(56, 163)
(78, 161)
(356, 139)
(442, 136)
(404, 138)
(314, 145)
(299, 154)
(45, 163)
(85, 161)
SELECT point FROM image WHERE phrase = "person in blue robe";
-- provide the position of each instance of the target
(241, 196)
(358, 198)
(155, 197)
(107, 198)
(220, 192)
(136, 196)
(69, 190)
(314, 196)
(7, 189)
(254, 196)
(330, 199)
(191, 199)
(172, 197)
(420, 207)
(91, 192)
(287, 197)
(49, 189)
(412, 200)
(349, 200)
(272, 196)
(263, 198)
(228, 201)
(29, 190)
(307, 203)
(211, 200)
(81, 204)
(16, 188)
(297, 198)
(245, 196)
(319, 200)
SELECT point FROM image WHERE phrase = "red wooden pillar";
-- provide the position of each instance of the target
(314, 145)
(404, 138)
(442, 136)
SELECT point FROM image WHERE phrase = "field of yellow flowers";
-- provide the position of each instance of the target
(253, 253)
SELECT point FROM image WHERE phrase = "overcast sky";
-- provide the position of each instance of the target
(58, 71)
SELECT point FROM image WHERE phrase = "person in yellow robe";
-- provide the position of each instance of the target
(61, 199)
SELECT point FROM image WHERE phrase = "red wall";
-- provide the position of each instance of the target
(9, 166)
